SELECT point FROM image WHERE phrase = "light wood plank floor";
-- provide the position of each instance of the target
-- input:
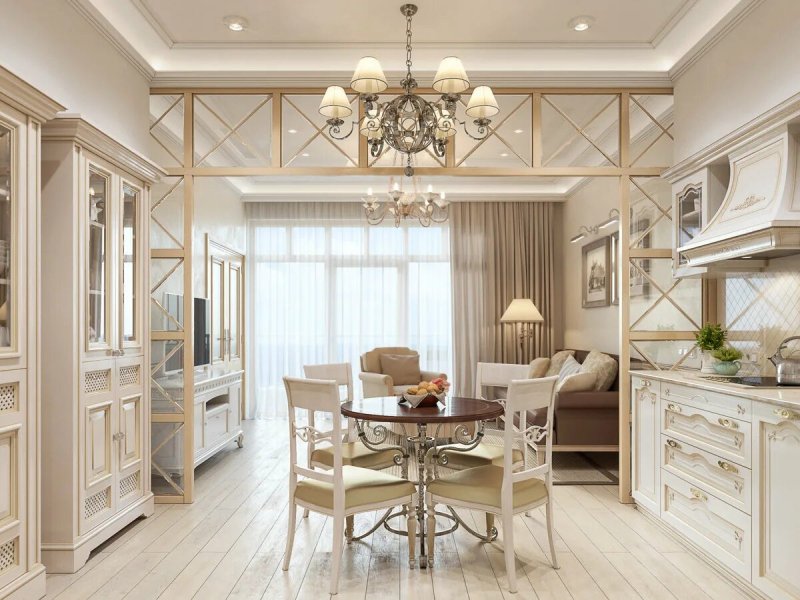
(229, 544)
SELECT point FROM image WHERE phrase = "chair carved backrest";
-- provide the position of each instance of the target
(315, 396)
(497, 375)
(341, 373)
(523, 396)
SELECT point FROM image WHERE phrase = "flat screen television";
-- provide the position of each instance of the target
(173, 303)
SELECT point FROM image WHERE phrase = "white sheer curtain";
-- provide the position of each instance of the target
(326, 287)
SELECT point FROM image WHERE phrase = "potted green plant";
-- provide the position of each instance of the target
(728, 360)
(709, 338)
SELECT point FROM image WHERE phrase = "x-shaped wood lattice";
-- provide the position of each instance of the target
(580, 130)
(157, 122)
(664, 130)
(665, 213)
(159, 469)
(233, 130)
(492, 132)
(318, 131)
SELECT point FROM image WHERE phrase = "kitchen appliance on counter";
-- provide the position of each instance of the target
(787, 370)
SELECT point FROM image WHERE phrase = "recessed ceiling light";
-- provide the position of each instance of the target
(306, 155)
(519, 130)
(581, 23)
(293, 131)
(235, 23)
(504, 154)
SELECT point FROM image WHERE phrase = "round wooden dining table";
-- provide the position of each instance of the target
(428, 421)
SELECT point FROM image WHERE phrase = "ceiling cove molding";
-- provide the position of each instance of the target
(454, 197)
(673, 21)
(712, 38)
(601, 79)
(787, 111)
(87, 10)
(155, 23)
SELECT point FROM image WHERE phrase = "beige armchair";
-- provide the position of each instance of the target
(375, 383)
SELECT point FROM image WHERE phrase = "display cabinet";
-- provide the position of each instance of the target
(22, 111)
(225, 290)
(96, 398)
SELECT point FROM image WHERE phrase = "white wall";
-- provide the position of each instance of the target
(218, 212)
(587, 328)
(753, 68)
(51, 46)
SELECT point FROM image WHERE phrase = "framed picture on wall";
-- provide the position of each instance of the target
(596, 267)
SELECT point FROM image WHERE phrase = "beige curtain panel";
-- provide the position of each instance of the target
(498, 252)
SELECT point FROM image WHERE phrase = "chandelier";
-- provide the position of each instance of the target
(401, 204)
(409, 123)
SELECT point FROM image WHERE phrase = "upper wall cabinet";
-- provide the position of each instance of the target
(95, 356)
(22, 111)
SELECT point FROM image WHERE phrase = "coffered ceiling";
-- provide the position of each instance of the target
(312, 42)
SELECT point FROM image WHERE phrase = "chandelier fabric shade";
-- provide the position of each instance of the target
(368, 77)
(335, 104)
(482, 103)
(451, 78)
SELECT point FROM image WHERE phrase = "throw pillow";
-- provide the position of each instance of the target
(539, 367)
(570, 367)
(603, 366)
(558, 361)
(403, 369)
(577, 382)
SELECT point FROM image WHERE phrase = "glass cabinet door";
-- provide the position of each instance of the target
(217, 314)
(7, 201)
(97, 329)
(234, 296)
(129, 246)
(689, 221)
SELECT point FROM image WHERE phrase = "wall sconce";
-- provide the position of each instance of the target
(587, 230)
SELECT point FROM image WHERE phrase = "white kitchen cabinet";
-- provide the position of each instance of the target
(23, 109)
(776, 567)
(95, 356)
(645, 434)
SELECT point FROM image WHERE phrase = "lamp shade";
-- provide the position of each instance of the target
(482, 103)
(335, 104)
(451, 78)
(368, 77)
(522, 310)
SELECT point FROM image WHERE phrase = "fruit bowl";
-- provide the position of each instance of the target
(426, 393)
(426, 399)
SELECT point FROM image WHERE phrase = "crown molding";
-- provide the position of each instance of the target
(348, 198)
(96, 19)
(26, 98)
(672, 22)
(712, 38)
(71, 127)
(147, 14)
(787, 111)
(633, 79)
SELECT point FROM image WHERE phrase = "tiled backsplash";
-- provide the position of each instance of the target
(760, 310)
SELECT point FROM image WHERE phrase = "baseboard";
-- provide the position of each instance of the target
(744, 585)
(29, 586)
(68, 558)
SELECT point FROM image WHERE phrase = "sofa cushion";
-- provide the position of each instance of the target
(557, 361)
(603, 366)
(403, 369)
(577, 382)
(539, 367)
(570, 367)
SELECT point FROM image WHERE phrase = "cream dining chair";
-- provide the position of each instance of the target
(344, 490)
(354, 452)
(500, 490)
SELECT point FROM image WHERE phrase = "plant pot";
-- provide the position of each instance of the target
(727, 367)
(707, 362)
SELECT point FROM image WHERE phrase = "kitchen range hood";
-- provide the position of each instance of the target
(759, 217)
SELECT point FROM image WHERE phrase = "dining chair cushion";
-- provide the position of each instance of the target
(355, 454)
(481, 485)
(539, 367)
(484, 454)
(361, 487)
(557, 361)
(403, 369)
(577, 382)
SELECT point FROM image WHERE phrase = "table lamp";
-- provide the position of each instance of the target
(522, 310)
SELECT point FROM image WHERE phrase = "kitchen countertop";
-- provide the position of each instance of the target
(782, 396)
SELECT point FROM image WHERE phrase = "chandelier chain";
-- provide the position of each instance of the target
(408, 52)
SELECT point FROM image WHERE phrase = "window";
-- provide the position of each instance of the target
(327, 291)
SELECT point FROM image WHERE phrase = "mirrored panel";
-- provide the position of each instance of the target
(665, 355)
(7, 201)
(232, 130)
(97, 252)
(651, 120)
(508, 143)
(305, 136)
(129, 251)
(166, 129)
(651, 213)
(580, 130)
(167, 464)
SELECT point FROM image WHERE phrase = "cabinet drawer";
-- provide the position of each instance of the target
(716, 402)
(651, 385)
(720, 530)
(726, 437)
(774, 413)
(216, 424)
(725, 480)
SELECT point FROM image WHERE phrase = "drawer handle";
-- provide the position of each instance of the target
(646, 383)
(726, 466)
(673, 444)
(666, 391)
(673, 407)
(785, 413)
(698, 495)
(727, 423)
